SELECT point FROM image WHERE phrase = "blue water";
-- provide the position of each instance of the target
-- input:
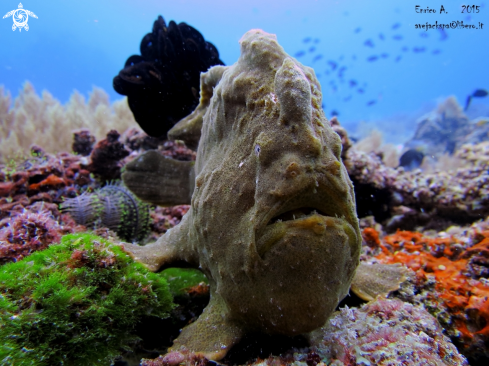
(81, 44)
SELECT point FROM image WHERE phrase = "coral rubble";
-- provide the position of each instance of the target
(386, 332)
(406, 200)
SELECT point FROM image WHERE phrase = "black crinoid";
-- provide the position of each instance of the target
(162, 85)
(114, 207)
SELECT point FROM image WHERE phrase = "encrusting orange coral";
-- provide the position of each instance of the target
(460, 286)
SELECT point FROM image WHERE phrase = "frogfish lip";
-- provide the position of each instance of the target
(286, 219)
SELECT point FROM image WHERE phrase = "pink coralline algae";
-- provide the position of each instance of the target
(28, 232)
(386, 332)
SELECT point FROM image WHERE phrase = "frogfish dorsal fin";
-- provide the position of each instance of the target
(189, 128)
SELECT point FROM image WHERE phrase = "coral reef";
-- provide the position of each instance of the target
(276, 245)
(386, 332)
(383, 332)
(75, 303)
(105, 159)
(42, 177)
(442, 130)
(35, 185)
(47, 123)
(162, 85)
(451, 278)
(408, 200)
(83, 143)
(28, 232)
(113, 207)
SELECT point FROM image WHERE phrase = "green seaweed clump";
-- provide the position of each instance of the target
(75, 303)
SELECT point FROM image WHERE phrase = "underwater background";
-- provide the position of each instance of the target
(371, 61)
(410, 104)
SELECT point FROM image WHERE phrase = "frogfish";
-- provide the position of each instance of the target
(272, 222)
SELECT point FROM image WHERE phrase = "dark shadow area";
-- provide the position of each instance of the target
(259, 345)
(351, 300)
(158, 334)
(372, 201)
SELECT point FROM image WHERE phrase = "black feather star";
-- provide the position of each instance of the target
(162, 85)
(114, 207)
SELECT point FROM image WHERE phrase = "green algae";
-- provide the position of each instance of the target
(180, 279)
(75, 303)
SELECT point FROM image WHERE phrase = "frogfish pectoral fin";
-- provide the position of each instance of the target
(159, 180)
(372, 280)
(212, 335)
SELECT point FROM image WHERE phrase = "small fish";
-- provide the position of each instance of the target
(371, 102)
(397, 37)
(299, 54)
(333, 65)
(354, 57)
(381, 36)
(312, 49)
(372, 58)
(424, 35)
(418, 49)
(405, 49)
(396, 25)
(317, 58)
(307, 40)
(436, 52)
(357, 30)
(411, 159)
(341, 71)
(384, 55)
(444, 34)
(398, 58)
(347, 98)
(368, 43)
(361, 91)
(316, 40)
(479, 93)
(352, 83)
(334, 113)
(482, 122)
